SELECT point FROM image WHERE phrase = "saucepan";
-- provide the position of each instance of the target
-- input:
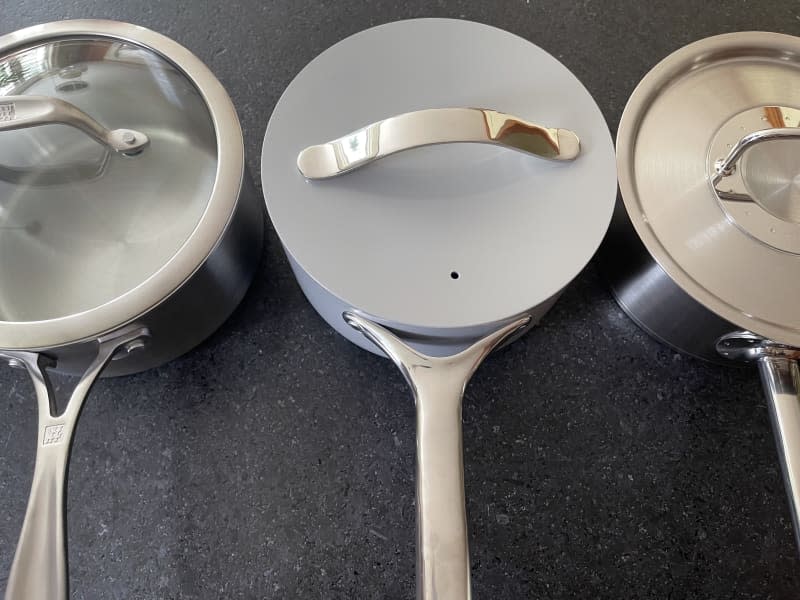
(704, 248)
(128, 232)
(434, 256)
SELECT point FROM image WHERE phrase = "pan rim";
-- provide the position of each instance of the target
(220, 207)
(680, 62)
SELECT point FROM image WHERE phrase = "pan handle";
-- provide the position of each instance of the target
(438, 384)
(435, 126)
(40, 569)
(780, 377)
(21, 112)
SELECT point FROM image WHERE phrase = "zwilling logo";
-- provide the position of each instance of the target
(8, 111)
(53, 434)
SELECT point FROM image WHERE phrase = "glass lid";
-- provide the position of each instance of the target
(108, 160)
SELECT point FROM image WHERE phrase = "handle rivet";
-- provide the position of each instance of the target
(719, 165)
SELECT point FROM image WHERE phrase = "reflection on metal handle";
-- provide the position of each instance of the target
(438, 384)
(780, 376)
(20, 112)
(726, 166)
(435, 126)
(781, 380)
(39, 569)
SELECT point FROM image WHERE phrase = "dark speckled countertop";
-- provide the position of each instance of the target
(277, 459)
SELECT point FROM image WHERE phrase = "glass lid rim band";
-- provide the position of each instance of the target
(220, 206)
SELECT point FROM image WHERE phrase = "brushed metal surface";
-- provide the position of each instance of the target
(706, 242)
(755, 157)
(665, 174)
(650, 297)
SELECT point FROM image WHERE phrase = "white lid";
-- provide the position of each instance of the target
(387, 238)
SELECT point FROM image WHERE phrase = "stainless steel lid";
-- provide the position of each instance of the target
(710, 176)
(120, 164)
(451, 236)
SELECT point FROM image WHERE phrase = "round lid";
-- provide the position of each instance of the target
(111, 162)
(708, 171)
(448, 236)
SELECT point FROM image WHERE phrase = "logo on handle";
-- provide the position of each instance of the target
(53, 434)
(8, 111)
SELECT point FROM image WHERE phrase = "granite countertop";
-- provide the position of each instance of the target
(277, 459)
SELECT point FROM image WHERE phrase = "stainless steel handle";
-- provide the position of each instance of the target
(39, 569)
(781, 380)
(435, 126)
(780, 377)
(438, 383)
(726, 166)
(20, 112)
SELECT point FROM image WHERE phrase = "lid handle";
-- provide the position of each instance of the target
(726, 166)
(435, 126)
(21, 112)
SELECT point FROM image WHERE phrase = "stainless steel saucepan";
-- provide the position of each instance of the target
(128, 231)
(436, 255)
(704, 249)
